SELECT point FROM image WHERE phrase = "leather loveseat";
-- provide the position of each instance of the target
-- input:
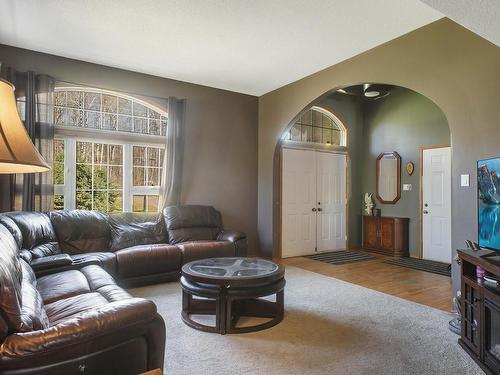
(61, 311)
(136, 249)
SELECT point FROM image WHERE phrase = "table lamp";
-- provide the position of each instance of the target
(17, 153)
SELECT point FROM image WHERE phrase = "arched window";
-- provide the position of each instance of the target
(107, 110)
(108, 150)
(317, 125)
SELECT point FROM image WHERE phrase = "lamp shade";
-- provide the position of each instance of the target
(17, 152)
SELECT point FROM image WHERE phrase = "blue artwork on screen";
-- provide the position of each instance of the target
(488, 184)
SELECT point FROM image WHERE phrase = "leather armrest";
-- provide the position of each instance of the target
(231, 235)
(51, 261)
(88, 326)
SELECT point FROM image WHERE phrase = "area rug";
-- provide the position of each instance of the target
(422, 265)
(340, 257)
(330, 327)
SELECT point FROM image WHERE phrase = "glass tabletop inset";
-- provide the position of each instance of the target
(231, 268)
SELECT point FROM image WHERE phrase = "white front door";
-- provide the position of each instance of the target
(331, 201)
(436, 204)
(298, 201)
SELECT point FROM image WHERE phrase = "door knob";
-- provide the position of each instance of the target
(426, 212)
(314, 210)
(320, 209)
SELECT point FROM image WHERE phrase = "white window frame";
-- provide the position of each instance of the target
(68, 190)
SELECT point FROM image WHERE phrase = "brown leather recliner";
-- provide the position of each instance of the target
(75, 321)
(198, 230)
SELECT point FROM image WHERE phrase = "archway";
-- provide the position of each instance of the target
(392, 103)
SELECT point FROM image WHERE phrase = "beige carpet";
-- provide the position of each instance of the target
(330, 327)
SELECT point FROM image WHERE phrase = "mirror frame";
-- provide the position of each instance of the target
(398, 158)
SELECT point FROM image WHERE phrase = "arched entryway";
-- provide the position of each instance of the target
(377, 118)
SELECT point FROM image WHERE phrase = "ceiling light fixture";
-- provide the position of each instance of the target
(372, 93)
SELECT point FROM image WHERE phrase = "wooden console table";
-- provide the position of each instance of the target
(480, 307)
(386, 235)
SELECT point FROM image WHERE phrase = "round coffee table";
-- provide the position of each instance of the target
(230, 288)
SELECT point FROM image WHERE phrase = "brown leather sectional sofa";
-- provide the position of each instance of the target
(61, 310)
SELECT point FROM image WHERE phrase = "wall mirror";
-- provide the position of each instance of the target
(388, 177)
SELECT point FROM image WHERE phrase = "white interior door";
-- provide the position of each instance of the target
(331, 201)
(298, 201)
(436, 208)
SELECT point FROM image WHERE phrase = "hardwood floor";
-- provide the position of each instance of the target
(417, 286)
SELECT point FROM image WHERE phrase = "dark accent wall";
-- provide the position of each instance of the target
(220, 158)
(453, 67)
(401, 122)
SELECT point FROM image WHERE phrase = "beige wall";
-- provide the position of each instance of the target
(448, 64)
(220, 160)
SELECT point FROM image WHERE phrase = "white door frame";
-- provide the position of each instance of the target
(421, 193)
(341, 151)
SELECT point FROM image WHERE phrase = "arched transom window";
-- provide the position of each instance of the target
(317, 125)
(107, 110)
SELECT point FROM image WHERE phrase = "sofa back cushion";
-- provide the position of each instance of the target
(10, 224)
(21, 305)
(192, 223)
(10, 280)
(81, 231)
(131, 229)
(33, 314)
(33, 232)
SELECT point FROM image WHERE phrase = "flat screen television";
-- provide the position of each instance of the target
(488, 203)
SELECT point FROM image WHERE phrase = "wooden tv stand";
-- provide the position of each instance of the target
(480, 306)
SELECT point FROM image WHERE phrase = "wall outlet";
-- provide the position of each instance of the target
(406, 187)
(464, 180)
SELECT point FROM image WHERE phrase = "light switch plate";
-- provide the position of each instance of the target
(464, 180)
(406, 187)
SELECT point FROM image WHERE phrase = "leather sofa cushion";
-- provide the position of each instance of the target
(147, 260)
(62, 285)
(82, 333)
(192, 223)
(10, 281)
(33, 313)
(36, 231)
(81, 231)
(131, 229)
(191, 234)
(105, 260)
(195, 250)
(21, 305)
(69, 307)
(11, 225)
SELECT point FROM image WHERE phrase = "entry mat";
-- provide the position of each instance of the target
(422, 265)
(340, 257)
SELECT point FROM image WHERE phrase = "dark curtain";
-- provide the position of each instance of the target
(34, 95)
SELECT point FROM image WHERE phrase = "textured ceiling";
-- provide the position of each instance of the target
(479, 16)
(246, 46)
